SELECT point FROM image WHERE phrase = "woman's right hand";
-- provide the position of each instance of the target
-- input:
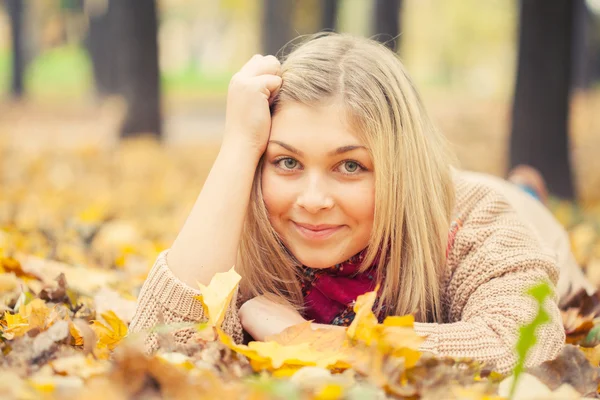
(248, 118)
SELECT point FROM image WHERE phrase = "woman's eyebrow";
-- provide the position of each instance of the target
(345, 149)
(287, 147)
(339, 150)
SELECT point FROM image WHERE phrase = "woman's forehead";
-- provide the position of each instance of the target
(320, 124)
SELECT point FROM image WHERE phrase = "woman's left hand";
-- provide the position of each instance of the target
(262, 317)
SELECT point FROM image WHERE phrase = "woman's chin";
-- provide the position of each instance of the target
(316, 262)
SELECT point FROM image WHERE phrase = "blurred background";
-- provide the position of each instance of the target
(111, 111)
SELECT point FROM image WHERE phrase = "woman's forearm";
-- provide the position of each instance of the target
(209, 240)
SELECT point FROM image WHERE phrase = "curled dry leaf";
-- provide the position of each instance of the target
(570, 367)
(217, 296)
(47, 341)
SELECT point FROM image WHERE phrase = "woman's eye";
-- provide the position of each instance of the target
(288, 163)
(350, 167)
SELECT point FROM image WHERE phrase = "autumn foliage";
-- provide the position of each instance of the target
(79, 230)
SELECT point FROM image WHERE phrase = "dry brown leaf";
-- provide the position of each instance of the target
(570, 367)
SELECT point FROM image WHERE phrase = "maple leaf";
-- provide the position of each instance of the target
(110, 334)
(299, 351)
(30, 316)
(217, 296)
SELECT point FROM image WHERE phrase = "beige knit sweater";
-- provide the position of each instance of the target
(494, 257)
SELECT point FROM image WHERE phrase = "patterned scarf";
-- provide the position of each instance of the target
(330, 293)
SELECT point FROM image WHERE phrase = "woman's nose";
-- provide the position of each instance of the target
(315, 195)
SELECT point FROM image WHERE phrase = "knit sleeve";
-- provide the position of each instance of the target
(164, 299)
(494, 259)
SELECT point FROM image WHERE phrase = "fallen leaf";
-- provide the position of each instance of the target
(217, 296)
(80, 365)
(33, 315)
(363, 327)
(111, 332)
(571, 367)
(46, 341)
(592, 354)
(576, 326)
(110, 300)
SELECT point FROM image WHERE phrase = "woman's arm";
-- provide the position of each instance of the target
(209, 240)
(494, 259)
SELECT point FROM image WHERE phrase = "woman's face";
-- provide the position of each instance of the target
(318, 185)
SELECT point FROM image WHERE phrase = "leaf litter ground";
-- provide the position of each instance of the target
(79, 231)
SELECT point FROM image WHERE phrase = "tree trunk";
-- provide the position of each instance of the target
(329, 14)
(541, 103)
(386, 22)
(277, 24)
(582, 25)
(135, 52)
(15, 12)
(100, 45)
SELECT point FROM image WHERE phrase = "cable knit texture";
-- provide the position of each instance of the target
(493, 258)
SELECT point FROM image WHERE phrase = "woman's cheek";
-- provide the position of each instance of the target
(361, 202)
(274, 193)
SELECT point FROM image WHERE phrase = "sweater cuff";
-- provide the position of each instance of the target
(460, 339)
(172, 293)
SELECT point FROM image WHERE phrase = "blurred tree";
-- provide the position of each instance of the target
(124, 50)
(540, 111)
(15, 12)
(386, 22)
(594, 70)
(277, 24)
(99, 45)
(582, 45)
(329, 10)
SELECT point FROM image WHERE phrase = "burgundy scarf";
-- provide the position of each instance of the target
(330, 293)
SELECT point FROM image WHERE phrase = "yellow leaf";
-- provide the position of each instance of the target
(592, 354)
(16, 325)
(299, 354)
(329, 346)
(273, 355)
(8, 282)
(400, 337)
(238, 348)
(30, 316)
(111, 334)
(177, 359)
(38, 312)
(286, 371)
(77, 337)
(364, 325)
(404, 321)
(218, 294)
(43, 385)
(80, 365)
(331, 391)
(320, 339)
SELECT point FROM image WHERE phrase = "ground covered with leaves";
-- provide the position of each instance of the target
(79, 230)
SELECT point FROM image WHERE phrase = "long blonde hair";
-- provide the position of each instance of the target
(414, 191)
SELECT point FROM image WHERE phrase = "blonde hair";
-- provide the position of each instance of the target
(414, 191)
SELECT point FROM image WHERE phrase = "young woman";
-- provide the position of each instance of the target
(331, 178)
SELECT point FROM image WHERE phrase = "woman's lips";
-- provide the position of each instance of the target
(316, 232)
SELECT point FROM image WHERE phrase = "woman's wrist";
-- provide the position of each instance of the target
(241, 149)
